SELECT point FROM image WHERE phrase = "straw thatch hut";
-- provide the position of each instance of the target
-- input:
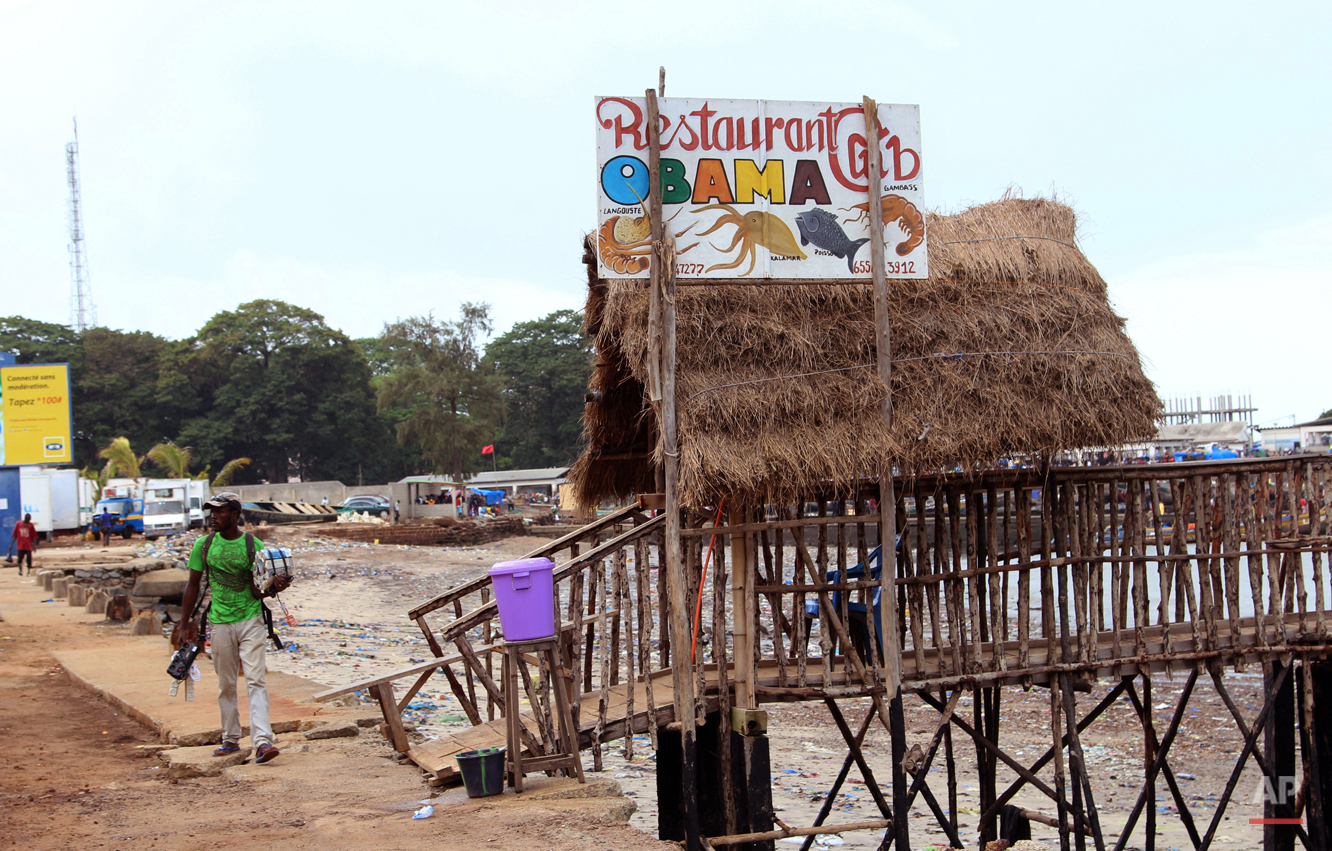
(1010, 346)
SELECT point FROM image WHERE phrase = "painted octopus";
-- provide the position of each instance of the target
(896, 209)
(752, 230)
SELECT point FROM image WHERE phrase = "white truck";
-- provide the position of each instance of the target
(170, 506)
(51, 496)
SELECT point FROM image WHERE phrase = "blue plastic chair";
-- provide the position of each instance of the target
(875, 562)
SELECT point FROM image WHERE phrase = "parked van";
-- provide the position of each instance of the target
(165, 517)
(169, 505)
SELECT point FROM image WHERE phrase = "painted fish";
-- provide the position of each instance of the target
(821, 228)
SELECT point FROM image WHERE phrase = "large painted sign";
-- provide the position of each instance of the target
(759, 189)
(35, 423)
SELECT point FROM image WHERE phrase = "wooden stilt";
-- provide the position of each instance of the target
(841, 776)
(1185, 814)
(1278, 727)
(1169, 739)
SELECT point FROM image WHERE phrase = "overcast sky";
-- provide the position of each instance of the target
(378, 160)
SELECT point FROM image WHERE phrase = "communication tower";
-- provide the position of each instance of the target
(83, 313)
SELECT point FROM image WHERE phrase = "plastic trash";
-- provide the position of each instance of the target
(425, 812)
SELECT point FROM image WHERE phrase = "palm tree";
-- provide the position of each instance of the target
(121, 458)
(228, 470)
(98, 477)
(175, 460)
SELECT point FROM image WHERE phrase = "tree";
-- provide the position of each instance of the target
(447, 399)
(228, 470)
(545, 365)
(120, 457)
(1325, 414)
(32, 341)
(98, 477)
(172, 459)
(278, 385)
(115, 389)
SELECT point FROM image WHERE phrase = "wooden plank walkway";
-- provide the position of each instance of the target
(436, 755)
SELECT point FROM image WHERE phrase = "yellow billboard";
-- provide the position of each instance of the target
(35, 422)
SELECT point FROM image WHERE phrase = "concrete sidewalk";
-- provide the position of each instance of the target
(129, 672)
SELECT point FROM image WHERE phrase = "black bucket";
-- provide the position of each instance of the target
(482, 771)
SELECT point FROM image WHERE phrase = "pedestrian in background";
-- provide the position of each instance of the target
(108, 523)
(25, 540)
(397, 510)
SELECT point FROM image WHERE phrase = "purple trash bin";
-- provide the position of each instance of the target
(525, 594)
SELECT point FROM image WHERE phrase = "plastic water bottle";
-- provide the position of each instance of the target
(425, 812)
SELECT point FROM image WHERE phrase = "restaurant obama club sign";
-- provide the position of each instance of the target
(759, 189)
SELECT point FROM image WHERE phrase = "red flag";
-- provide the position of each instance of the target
(488, 450)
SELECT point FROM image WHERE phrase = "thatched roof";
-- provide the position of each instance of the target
(1045, 366)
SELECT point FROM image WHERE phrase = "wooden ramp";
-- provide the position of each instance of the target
(1233, 644)
(436, 755)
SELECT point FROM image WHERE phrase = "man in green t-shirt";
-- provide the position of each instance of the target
(239, 636)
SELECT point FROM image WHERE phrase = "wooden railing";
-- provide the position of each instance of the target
(1007, 576)
(1013, 575)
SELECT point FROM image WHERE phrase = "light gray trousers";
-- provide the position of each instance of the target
(234, 645)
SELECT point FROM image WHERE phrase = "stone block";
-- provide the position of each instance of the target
(146, 623)
(118, 608)
(49, 577)
(334, 730)
(141, 603)
(59, 588)
(200, 762)
(97, 601)
(169, 582)
(76, 595)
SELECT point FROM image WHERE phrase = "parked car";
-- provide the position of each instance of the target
(377, 506)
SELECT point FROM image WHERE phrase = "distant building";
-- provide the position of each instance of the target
(1280, 439)
(545, 480)
(1313, 436)
(1316, 436)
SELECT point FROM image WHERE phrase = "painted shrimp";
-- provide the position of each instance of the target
(896, 209)
(625, 244)
(752, 229)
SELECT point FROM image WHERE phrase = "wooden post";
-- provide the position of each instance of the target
(1279, 744)
(652, 208)
(663, 276)
(892, 674)
(742, 616)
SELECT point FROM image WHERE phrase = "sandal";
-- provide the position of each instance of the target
(266, 753)
(227, 749)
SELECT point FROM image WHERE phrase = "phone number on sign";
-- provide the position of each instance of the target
(890, 267)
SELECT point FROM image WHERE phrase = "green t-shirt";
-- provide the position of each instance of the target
(230, 576)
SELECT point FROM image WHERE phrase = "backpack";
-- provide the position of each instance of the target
(249, 556)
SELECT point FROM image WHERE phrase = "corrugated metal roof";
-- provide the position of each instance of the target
(496, 477)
